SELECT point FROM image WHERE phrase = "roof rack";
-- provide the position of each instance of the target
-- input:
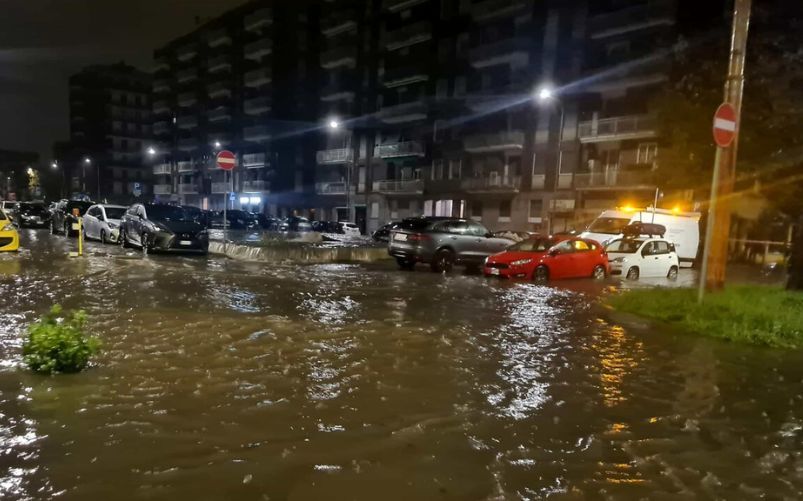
(636, 229)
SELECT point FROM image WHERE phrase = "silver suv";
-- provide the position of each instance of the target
(443, 243)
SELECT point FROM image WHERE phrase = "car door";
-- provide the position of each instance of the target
(483, 245)
(648, 266)
(90, 222)
(582, 262)
(663, 258)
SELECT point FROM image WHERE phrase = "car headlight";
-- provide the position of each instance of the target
(113, 226)
(521, 262)
(618, 260)
(7, 227)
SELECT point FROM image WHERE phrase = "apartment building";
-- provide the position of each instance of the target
(110, 126)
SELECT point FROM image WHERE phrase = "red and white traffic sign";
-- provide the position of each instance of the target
(226, 160)
(724, 125)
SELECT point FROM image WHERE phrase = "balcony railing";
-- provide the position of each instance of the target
(186, 53)
(161, 86)
(403, 112)
(411, 186)
(254, 160)
(187, 75)
(258, 78)
(510, 50)
(402, 149)
(257, 105)
(160, 128)
(488, 9)
(339, 56)
(188, 189)
(161, 107)
(614, 178)
(496, 141)
(396, 77)
(491, 184)
(397, 5)
(335, 156)
(161, 169)
(219, 63)
(224, 187)
(258, 19)
(218, 89)
(256, 50)
(162, 189)
(189, 122)
(617, 128)
(649, 14)
(334, 91)
(336, 23)
(256, 133)
(336, 188)
(408, 35)
(254, 186)
(187, 99)
(186, 167)
(161, 64)
(220, 114)
(218, 38)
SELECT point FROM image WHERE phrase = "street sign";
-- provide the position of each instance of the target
(231, 197)
(724, 125)
(137, 189)
(226, 160)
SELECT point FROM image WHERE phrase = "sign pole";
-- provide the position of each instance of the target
(226, 160)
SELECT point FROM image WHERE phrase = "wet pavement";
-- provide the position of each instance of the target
(221, 379)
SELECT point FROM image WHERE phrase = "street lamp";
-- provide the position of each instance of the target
(151, 151)
(334, 126)
(54, 164)
(218, 145)
(546, 94)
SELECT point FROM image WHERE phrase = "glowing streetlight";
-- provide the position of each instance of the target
(546, 93)
(334, 124)
(218, 145)
(87, 160)
(55, 164)
(151, 151)
(30, 171)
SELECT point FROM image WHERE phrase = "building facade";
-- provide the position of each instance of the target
(110, 128)
(521, 114)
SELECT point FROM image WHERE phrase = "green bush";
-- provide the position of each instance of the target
(57, 343)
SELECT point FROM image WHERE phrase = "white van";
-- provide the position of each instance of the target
(682, 228)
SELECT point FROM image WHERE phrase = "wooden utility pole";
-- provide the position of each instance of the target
(715, 253)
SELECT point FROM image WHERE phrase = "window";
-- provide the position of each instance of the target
(437, 169)
(476, 229)
(580, 246)
(456, 227)
(504, 209)
(536, 208)
(564, 247)
(647, 153)
(661, 247)
(454, 169)
(374, 210)
(648, 250)
(476, 209)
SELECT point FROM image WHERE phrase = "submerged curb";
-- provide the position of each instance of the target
(300, 254)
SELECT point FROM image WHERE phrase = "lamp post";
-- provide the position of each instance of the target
(55, 166)
(547, 94)
(334, 126)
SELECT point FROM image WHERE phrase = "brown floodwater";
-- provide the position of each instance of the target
(222, 379)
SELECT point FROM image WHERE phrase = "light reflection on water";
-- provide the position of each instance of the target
(227, 380)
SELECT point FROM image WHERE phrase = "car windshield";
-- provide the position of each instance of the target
(114, 212)
(25, 208)
(165, 213)
(414, 224)
(10, 205)
(81, 206)
(608, 225)
(624, 245)
(533, 245)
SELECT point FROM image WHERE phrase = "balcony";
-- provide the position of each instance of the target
(162, 189)
(491, 184)
(404, 112)
(187, 189)
(161, 169)
(613, 178)
(219, 64)
(188, 144)
(256, 186)
(336, 23)
(514, 51)
(258, 78)
(402, 149)
(218, 89)
(647, 15)
(398, 5)
(187, 75)
(255, 160)
(184, 167)
(408, 35)
(491, 9)
(218, 38)
(617, 129)
(161, 128)
(161, 64)
(334, 156)
(260, 48)
(257, 105)
(161, 86)
(223, 187)
(160, 107)
(397, 77)
(256, 133)
(495, 141)
(187, 122)
(337, 90)
(219, 114)
(186, 53)
(258, 20)
(404, 187)
(335, 188)
(339, 56)
(187, 99)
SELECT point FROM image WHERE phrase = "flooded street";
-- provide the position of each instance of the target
(222, 379)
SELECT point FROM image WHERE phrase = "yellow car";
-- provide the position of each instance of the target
(9, 238)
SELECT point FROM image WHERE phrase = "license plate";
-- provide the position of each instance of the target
(401, 237)
(185, 242)
(494, 271)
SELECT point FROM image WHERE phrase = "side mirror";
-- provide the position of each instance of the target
(645, 252)
(489, 235)
(553, 252)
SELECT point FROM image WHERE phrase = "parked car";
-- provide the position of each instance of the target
(10, 208)
(513, 235)
(349, 229)
(544, 259)
(643, 257)
(155, 227)
(236, 220)
(382, 234)
(102, 222)
(262, 221)
(32, 215)
(204, 217)
(442, 243)
(9, 237)
(294, 223)
(63, 216)
(326, 226)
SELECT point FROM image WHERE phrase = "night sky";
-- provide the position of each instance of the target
(43, 42)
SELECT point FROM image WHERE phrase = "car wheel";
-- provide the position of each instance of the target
(632, 273)
(443, 262)
(123, 239)
(53, 228)
(541, 275)
(599, 272)
(144, 243)
(405, 264)
(103, 237)
(673, 273)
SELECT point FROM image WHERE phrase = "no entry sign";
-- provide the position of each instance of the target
(226, 160)
(724, 125)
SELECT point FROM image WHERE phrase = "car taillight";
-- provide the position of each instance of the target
(418, 237)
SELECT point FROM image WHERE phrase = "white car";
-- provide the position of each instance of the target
(102, 222)
(643, 257)
(349, 229)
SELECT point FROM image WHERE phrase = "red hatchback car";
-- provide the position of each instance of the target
(544, 259)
